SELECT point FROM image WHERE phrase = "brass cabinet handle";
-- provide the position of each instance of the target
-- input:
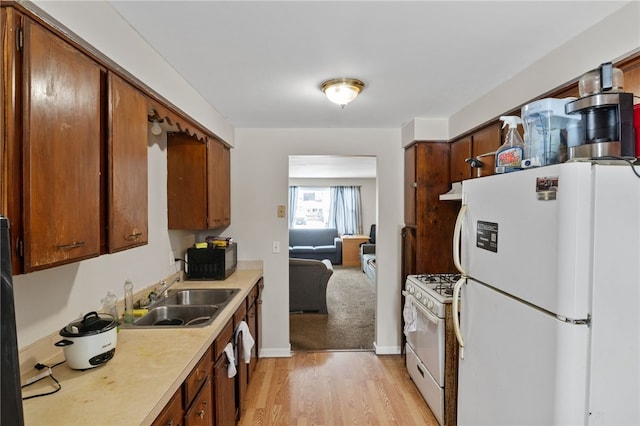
(71, 246)
(133, 237)
(204, 375)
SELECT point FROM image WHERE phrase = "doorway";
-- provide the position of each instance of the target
(349, 323)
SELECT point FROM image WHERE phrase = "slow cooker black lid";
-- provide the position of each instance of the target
(91, 323)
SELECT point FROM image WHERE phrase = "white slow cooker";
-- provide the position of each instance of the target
(89, 342)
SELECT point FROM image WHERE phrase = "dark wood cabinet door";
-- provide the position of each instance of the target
(219, 184)
(224, 391)
(127, 191)
(186, 182)
(410, 184)
(435, 219)
(10, 130)
(460, 151)
(198, 183)
(62, 144)
(486, 140)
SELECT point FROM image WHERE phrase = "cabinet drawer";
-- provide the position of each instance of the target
(240, 315)
(253, 296)
(171, 415)
(225, 336)
(201, 411)
(197, 377)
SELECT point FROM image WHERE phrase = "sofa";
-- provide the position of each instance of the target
(316, 243)
(308, 279)
(368, 261)
(368, 255)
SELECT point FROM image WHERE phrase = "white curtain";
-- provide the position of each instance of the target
(346, 209)
(293, 201)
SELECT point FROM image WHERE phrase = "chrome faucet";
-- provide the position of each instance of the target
(164, 292)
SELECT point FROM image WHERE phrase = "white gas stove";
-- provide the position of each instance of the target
(427, 297)
(432, 291)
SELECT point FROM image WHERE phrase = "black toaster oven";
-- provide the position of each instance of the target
(211, 263)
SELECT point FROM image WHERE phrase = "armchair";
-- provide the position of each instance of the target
(308, 279)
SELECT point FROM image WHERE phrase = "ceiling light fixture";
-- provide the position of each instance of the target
(341, 91)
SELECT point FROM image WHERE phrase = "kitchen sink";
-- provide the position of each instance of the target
(190, 307)
(200, 296)
(179, 316)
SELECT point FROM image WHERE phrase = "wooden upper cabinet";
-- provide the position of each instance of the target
(186, 182)
(198, 183)
(62, 144)
(410, 185)
(219, 178)
(486, 141)
(460, 151)
(127, 166)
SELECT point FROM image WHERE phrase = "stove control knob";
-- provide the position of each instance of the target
(410, 288)
(418, 295)
(430, 304)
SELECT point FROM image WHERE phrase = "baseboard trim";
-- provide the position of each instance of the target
(386, 350)
(275, 352)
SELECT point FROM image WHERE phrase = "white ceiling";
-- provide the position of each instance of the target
(260, 63)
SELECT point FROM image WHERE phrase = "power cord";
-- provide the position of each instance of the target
(47, 373)
(629, 160)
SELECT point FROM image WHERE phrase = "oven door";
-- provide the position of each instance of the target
(427, 341)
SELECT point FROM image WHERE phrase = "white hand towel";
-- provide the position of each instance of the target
(409, 313)
(247, 340)
(231, 370)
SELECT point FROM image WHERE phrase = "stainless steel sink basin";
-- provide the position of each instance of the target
(191, 307)
(178, 316)
(200, 296)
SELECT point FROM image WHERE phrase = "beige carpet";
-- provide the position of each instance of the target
(349, 325)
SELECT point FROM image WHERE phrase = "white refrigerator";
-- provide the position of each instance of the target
(549, 310)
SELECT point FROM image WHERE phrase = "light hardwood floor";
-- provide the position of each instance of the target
(334, 388)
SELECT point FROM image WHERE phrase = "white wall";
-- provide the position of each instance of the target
(259, 183)
(368, 192)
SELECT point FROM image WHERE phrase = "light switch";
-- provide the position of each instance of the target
(282, 211)
(276, 246)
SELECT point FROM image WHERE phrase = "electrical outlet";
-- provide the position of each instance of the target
(172, 258)
(276, 246)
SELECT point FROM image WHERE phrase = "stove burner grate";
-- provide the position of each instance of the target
(438, 278)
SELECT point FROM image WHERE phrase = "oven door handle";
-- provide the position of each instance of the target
(431, 317)
(457, 234)
(456, 316)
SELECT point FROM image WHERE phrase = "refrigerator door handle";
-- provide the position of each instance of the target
(456, 316)
(457, 233)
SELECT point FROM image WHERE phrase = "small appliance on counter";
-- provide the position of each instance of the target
(549, 131)
(607, 115)
(90, 341)
(211, 260)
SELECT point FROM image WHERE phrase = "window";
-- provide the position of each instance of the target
(312, 206)
(326, 207)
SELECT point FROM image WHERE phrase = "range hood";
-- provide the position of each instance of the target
(455, 193)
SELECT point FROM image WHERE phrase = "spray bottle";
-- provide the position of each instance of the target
(510, 155)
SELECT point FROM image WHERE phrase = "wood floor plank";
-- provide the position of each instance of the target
(334, 388)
